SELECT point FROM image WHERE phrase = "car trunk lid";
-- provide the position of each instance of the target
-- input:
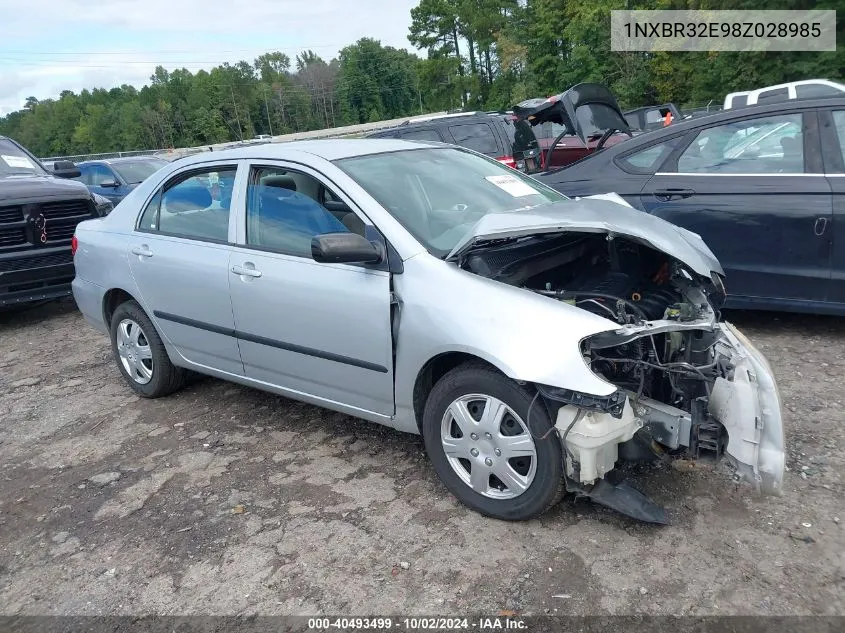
(585, 110)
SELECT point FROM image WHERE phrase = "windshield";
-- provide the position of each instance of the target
(13, 160)
(439, 194)
(136, 171)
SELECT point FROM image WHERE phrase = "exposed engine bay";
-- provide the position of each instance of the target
(669, 358)
(631, 284)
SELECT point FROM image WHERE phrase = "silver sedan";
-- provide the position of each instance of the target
(533, 340)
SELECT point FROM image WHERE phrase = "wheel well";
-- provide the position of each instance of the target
(114, 298)
(433, 371)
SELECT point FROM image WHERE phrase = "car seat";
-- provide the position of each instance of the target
(289, 219)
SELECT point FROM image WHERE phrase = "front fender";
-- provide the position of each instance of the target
(527, 336)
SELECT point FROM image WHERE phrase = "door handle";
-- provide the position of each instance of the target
(670, 193)
(247, 270)
(820, 226)
(142, 251)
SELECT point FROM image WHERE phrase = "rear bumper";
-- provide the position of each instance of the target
(89, 300)
(749, 407)
(27, 277)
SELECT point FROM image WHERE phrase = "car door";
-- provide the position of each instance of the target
(179, 258)
(753, 188)
(322, 330)
(832, 122)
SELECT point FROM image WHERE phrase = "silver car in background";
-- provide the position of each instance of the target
(533, 340)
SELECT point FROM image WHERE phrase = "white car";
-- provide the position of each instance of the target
(805, 89)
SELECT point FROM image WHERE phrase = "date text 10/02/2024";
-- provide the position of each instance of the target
(418, 624)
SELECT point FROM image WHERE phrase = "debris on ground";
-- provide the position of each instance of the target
(103, 479)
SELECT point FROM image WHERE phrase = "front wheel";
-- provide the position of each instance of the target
(477, 434)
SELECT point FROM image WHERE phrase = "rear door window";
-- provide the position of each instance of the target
(194, 205)
(475, 136)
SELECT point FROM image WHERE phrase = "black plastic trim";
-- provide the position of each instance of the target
(261, 340)
(612, 404)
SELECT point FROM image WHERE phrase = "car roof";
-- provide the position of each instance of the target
(434, 118)
(118, 160)
(801, 82)
(447, 119)
(443, 120)
(328, 149)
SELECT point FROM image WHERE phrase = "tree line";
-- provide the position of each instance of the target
(478, 54)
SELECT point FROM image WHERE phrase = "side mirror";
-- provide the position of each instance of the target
(108, 183)
(66, 169)
(344, 248)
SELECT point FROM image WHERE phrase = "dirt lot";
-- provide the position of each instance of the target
(225, 500)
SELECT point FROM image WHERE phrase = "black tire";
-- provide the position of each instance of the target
(547, 487)
(166, 377)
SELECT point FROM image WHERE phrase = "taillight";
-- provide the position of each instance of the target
(73, 245)
(507, 160)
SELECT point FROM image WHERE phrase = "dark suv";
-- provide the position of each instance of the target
(39, 211)
(498, 135)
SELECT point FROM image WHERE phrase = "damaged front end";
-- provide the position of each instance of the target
(687, 384)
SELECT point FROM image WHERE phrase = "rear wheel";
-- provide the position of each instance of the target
(476, 431)
(140, 354)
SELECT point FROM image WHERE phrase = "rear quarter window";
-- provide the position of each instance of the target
(811, 91)
(773, 96)
(739, 101)
(648, 160)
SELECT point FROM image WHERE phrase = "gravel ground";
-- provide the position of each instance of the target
(225, 500)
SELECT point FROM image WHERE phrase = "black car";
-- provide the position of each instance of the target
(498, 135)
(764, 186)
(39, 211)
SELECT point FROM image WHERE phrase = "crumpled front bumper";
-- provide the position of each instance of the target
(749, 407)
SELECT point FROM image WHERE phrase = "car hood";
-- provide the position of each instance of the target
(608, 214)
(22, 187)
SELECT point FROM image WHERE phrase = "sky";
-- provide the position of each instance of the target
(47, 47)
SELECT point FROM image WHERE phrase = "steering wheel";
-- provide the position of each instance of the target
(462, 211)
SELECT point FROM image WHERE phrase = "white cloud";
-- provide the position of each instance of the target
(76, 44)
